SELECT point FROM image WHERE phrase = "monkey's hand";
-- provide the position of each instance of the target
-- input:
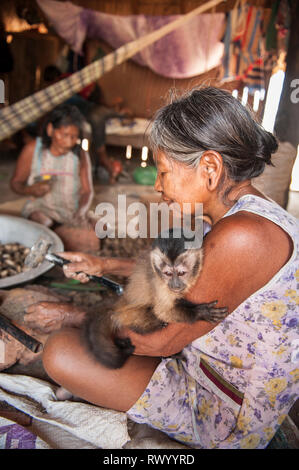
(189, 312)
(209, 312)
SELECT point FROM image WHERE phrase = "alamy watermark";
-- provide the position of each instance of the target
(2, 92)
(295, 93)
(138, 220)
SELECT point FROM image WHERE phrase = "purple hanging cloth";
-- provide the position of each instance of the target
(190, 50)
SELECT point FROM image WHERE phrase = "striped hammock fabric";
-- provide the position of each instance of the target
(17, 116)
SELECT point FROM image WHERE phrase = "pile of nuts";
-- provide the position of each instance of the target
(122, 247)
(12, 257)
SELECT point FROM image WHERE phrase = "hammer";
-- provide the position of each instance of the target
(40, 252)
(20, 335)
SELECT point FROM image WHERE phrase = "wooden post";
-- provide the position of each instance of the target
(287, 118)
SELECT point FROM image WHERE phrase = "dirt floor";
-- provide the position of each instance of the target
(92, 296)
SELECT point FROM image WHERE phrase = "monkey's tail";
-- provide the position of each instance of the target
(100, 336)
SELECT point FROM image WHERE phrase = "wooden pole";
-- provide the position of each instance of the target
(286, 125)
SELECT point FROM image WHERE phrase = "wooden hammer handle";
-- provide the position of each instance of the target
(20, 335)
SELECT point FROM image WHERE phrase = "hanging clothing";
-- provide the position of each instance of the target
(190, 50)
(243, 46)
(62, 202)
(233, 387)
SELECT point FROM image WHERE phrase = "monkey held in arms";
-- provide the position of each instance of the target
(153, 298)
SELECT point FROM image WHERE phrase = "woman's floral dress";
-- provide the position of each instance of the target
(233, 387)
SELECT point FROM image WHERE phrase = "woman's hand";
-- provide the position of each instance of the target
(38, 189)
(81, 265)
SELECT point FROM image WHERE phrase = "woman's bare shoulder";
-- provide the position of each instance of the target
(241, 254)
(246, 229)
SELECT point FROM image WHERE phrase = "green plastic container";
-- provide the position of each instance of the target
(145, 175)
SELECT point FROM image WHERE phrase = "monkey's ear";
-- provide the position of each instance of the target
(157, 258)
(190, 258)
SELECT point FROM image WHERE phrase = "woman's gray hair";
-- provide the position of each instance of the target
(212, 119)
(173, 148)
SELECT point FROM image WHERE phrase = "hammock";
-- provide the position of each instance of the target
(186, 52)
(17, 116)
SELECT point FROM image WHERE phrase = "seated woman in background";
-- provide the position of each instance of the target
(227, 385)
(91, 103)
(55, 171)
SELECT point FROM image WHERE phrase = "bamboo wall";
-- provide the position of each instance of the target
(32, 52)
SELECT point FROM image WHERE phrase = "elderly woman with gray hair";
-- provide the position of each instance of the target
(225, 385)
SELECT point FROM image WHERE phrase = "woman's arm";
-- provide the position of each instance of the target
(21, 174)
(168, 341)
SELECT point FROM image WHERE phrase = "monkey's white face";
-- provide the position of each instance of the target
(179, 274)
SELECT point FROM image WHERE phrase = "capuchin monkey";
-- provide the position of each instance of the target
(153, 298)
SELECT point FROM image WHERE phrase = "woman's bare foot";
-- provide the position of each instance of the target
(46, 317)
(63, 394)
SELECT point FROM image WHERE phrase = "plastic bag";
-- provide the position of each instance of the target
(145, 175)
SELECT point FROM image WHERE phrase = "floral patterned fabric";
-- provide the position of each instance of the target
(233, 387)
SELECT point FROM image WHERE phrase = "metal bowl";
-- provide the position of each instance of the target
(26, 232)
